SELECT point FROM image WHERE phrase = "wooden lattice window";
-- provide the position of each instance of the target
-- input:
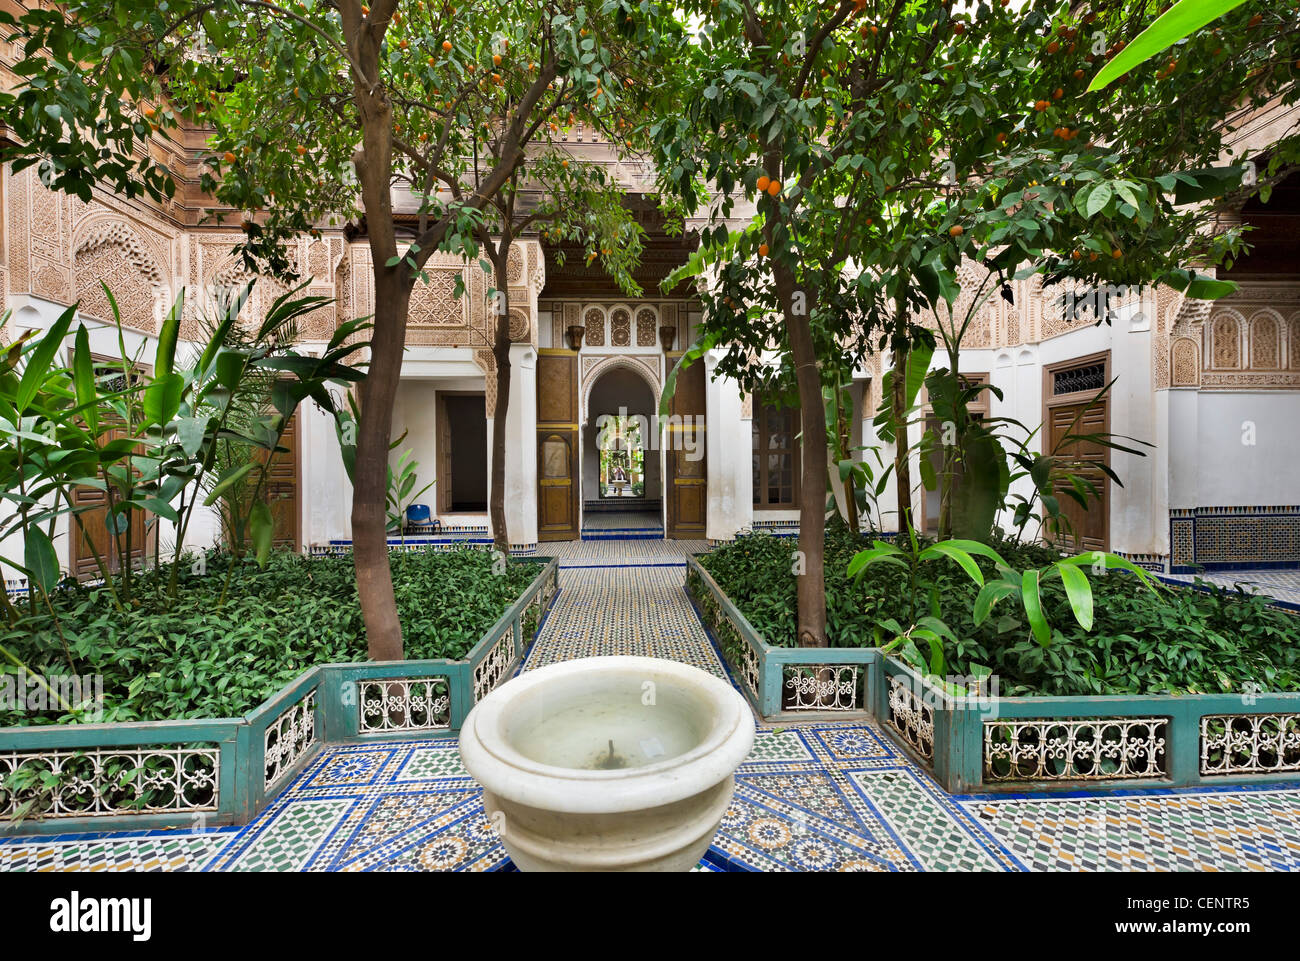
(776, 456)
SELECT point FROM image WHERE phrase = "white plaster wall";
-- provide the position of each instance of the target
(728, 446)
(1234, 448)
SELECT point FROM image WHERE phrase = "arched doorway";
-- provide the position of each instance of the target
(622, 469)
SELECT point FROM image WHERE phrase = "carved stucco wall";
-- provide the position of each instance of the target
(1250, 339)
(61, 248)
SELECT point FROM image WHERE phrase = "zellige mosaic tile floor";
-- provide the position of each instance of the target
(811, 797)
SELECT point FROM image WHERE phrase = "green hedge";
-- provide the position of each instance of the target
(194, 659)
(1174, 641)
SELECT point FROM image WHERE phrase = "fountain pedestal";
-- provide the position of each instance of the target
(608, 763)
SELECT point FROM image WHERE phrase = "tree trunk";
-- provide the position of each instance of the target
(501, 356)
(902, 466)
(370, 484)
(812, 478)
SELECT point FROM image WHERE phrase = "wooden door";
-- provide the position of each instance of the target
(443, 457)
(93, 505)
(557, 445)
(687, 487)
(1069, 390)
(281, 488)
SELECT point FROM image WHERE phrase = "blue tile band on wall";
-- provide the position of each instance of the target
(1234, 538)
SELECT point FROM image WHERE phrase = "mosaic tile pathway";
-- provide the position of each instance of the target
(810, 797)
(1281, 585)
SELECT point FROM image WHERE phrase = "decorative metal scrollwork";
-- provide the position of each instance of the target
(409, 704)
(108, 781)
(289, 737)
(821, 687)
(490, 671)
(911, 717)
(1250, 743)
(1075, 749)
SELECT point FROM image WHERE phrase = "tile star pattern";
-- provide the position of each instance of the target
(819, 796)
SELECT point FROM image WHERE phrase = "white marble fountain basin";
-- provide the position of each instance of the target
(608, 763)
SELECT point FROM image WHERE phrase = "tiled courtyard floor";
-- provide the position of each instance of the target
(1281, 585)
(818, 796)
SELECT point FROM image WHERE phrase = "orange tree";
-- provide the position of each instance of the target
(882, 143)
(334, 108)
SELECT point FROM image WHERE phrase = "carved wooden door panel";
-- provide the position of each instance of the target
(557, 445)
(687, 487)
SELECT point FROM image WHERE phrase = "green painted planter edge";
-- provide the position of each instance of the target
(241, 789)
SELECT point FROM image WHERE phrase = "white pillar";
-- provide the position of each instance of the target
(727, 446)
(521, 447)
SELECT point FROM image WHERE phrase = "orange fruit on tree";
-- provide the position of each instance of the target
(403, 44)
(958, 27)
(1053, 47)
(229, 157)
(1001, 138)
(956, 230)
(301, 150)
(1058, 93)
(430, 61)
(1078, 74)
(446, 46)
(762, 250)
(1041, 105)
(1117, 253)
(762, 183)
(774, 188)
(496, 59)
(149, 112)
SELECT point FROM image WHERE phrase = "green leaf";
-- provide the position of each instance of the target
(990, 594)
(963, 559)
(162, 399)
(41, 561)
(165, 356)
(1034, 608)
(1079, 591)
(83, 376)
(1180, 20)
(228, 477)
(882, 551)
(261, 530)
(41, 358)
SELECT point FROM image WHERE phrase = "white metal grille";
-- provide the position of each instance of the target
(111, 780)
(821, 687)
(1250, 743)
(1076, 749)
(495, 666)
(408, 704)
(290, 736)
(911, 717)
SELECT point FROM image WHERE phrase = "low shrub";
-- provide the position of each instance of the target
(1172, 641)
(196, 658)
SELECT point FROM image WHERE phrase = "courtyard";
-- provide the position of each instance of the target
(813, 796)
(616, 436)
